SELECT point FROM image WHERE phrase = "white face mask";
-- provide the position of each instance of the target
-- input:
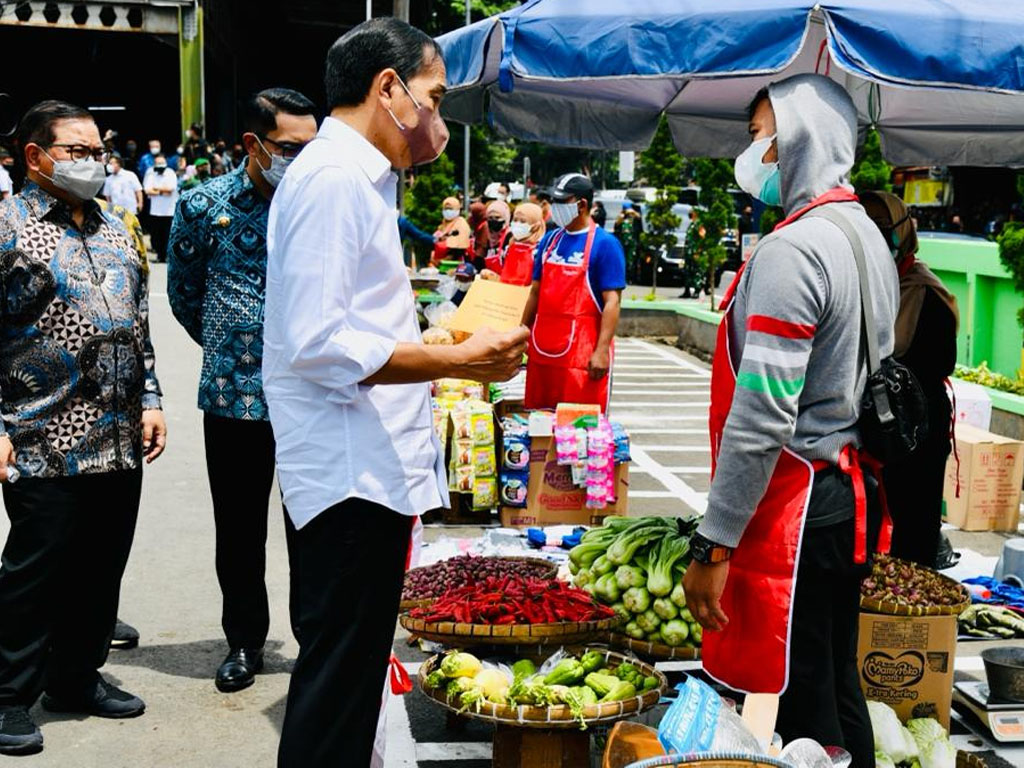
(563, 213)
(278, 165)
(83, 180)
(756, 177)
(520, 229)
(449, 214)
(501, 197)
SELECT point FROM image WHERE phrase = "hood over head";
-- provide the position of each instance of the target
(816, 124)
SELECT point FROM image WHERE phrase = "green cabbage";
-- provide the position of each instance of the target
(933, 743)
(888, 731)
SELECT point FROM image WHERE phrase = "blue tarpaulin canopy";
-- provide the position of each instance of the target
(942, 80)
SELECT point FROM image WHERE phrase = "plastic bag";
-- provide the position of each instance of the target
(440, 314)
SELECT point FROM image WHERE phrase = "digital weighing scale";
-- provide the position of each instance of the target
(1004, 719)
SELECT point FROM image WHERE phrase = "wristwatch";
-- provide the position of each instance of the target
(708, 552)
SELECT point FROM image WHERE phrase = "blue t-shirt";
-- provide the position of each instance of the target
(607, 271)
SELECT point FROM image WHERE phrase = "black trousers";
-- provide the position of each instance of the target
(60, 580)
(913, 489)
(352, 562)
(824, 699)
(240, 465)
(159, 228)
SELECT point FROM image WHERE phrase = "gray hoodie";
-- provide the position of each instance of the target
(795, 325)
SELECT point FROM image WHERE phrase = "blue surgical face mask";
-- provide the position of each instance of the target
(756, 177)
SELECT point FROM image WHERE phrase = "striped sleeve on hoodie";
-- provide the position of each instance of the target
(781, 298)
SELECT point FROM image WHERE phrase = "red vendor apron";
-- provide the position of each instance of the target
(751, 654)
(565, 334)
(518, 268)
(494, 259)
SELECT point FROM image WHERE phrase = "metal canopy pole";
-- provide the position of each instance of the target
(465, 145)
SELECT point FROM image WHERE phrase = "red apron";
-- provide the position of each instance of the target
(751, 654)
(518, 268)
(495, 256)
(440, 252)
(565, 334)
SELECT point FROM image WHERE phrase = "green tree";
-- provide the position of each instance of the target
(1011, 253)
(715, 215)
(440, 16)
(871, 171)
(769, 218)
(432, 184)
(661, 166)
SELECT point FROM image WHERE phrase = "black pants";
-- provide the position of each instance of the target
(240, 465)
(159, 231)
(352, 563)
(60, 580)
(913, 489)
(824, 699)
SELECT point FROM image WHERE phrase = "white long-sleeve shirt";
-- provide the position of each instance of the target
(338, 301)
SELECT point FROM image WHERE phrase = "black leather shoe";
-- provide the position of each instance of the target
(103, 700)
(19, 735)
(125, 637)
(239, 668)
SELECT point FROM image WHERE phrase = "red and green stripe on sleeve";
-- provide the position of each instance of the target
(775, 356)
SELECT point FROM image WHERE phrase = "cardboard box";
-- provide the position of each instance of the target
(552, 498)
(973, 405)
(907, 662)
(991, 472)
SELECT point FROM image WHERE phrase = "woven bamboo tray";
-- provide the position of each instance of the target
(712, 760)
(550, 572)
(870, 605)
(548, 718)
(658, 651)
(465, 635)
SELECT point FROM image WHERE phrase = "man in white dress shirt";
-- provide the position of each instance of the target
(345, 375)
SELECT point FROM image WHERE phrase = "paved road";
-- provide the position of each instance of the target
(170, 590)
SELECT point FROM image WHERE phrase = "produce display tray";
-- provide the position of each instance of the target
(871, 605)
(524, 716)
(648, 650)
(458, 635)
(550, 572)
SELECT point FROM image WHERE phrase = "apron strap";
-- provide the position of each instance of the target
(401, 683)
(885, 533)
(849, 465)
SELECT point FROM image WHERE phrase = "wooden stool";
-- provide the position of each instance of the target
(536, 748)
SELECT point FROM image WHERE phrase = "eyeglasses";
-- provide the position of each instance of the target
(289, 151)
(81, 152)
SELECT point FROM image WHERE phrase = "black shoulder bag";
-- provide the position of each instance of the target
(893, 411)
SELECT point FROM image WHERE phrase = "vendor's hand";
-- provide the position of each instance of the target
(7, 457)
(490, 355)
(154, 434)
(704, 585)
(489, 274)
(599, 364)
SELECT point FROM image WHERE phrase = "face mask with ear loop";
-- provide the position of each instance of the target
(428, 138)
(278, 165)
(756, 177)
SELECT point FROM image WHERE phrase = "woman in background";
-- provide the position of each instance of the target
(926, 328)
(451, 240)
(514, 264)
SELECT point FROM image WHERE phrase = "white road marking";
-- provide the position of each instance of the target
(401, 751)
(661, 376)
(660, 404)
(649, 494)
(676, 359)
(467, 750)
(630, 367)
(676, 471)
(628, 418)
(676, 431)
(673, 448)
(683, 390)
(676, 485)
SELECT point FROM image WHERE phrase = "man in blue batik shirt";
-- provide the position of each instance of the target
(216, 282)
